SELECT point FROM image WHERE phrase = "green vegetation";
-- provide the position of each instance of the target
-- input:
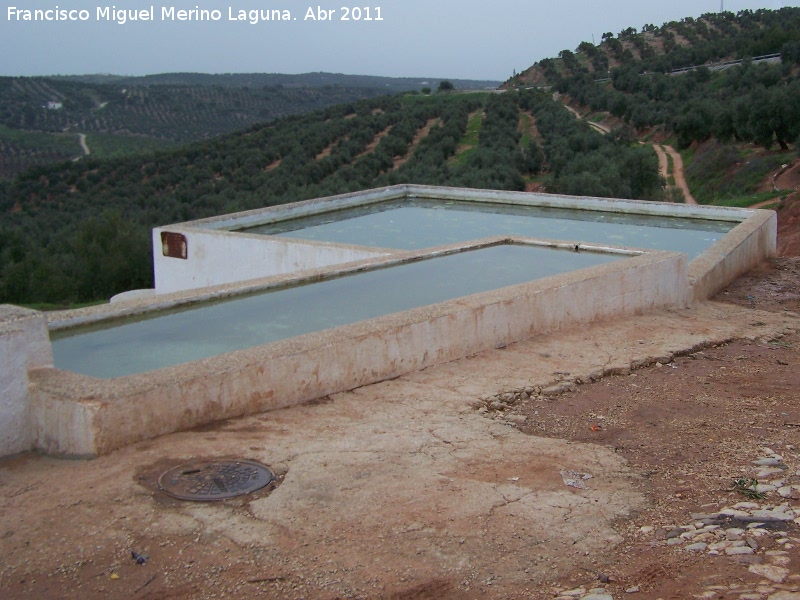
(526, 122)
(469, 140)
(723, 113)
(107, 145)
(725, 174)
(79, 232)
(20, 150)
(162, 111)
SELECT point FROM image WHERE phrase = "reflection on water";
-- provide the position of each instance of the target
(201, 331)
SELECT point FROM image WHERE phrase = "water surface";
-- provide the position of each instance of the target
(417, 224)
(178, 336)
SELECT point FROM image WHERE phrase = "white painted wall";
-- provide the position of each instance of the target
(223, 257)
(24, 345)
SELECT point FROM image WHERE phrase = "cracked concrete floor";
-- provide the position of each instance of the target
(400, 489)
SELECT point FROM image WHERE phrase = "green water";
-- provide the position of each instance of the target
(179, 336)
(418, 224)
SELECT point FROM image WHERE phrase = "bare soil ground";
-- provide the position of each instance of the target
(465, 480)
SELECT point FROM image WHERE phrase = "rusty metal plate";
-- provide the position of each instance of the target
(209, 481)
(174, 245)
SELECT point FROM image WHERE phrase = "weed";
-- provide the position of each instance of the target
(747, 487)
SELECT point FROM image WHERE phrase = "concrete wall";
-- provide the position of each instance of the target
(220, 257)
(24, 345)
(749, 243)
(81, 416)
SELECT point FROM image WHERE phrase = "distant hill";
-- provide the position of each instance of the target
(317, 79)
(41, 117)
(710, 40)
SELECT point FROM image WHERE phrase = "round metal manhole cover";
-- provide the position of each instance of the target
(214, 480)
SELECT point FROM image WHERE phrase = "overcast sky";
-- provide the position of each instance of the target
(459, 39)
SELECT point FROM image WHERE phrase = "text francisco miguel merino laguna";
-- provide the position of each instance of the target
(171, 13)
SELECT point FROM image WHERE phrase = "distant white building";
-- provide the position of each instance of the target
(53, 105)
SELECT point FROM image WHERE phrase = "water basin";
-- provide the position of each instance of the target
(122, 348)
(414, 224)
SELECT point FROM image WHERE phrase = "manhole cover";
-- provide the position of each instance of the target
(214, 480)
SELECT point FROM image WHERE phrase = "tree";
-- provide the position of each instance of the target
(446, 86)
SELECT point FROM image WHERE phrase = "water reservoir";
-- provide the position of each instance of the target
(177, 336)
(414, 224)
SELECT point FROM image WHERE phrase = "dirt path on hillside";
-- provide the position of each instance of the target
(663, 162)
(679, 175)
(677, 170)
(596, 126)
(84, 146)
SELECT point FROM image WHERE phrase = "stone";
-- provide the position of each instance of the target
(730, 512)
(738, 550)
(783, 595)
(699, 547)
(768, 462)
(771, 572)
(677, 532)
(734, 533)
(774, 515)
(790, 491)
(767, 472)
(720, 546)
(747, 559)
(675, 541)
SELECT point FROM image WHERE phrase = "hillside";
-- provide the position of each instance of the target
(723, 88)
(41, 118)
(80, 231)
(712, 39)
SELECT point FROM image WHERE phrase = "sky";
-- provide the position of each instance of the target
(456, 39)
